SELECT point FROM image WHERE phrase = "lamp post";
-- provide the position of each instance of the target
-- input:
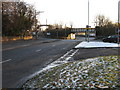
(118, 20)
(88, 12)
(87, 26)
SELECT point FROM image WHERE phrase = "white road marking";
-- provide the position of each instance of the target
(64, 55)
(17, 47)
(67, 58)
(58, 62)
(67, 53)
(26, 45)
(53, 45)
(64, 48)
(6, 61)
(9, 48)
(74, 53)
(38, 50)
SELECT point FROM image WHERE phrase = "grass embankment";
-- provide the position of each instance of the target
(100, 72)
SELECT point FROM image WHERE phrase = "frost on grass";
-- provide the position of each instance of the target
(101, 72)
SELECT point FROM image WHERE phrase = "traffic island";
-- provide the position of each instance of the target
(95, 44)
(99, 72)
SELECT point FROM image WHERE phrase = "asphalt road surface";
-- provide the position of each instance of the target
(22, 60)
(95, 52)
(25, 58)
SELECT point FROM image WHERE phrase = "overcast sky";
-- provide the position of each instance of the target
(74, 11)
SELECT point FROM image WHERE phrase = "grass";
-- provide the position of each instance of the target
(100, 72)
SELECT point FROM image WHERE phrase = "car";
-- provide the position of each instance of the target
(112, 38)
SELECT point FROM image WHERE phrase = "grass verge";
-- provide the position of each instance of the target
(100, 72)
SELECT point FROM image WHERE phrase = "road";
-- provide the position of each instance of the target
(24, 59)
(95, 52)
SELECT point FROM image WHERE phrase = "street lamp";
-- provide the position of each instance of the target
(88, 12)
(87, 26)
(118, 19)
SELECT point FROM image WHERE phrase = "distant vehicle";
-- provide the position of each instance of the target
(113, 38)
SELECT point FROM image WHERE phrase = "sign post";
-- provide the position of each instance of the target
(87, 32)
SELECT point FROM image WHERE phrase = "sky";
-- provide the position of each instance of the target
(74, 12)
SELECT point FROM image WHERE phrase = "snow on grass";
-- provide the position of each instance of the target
(100, 72)
(94, 44)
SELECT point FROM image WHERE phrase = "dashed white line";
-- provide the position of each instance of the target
(6, 61)
(26, 45)
(64, 48)
(17, 47)
(9, 48)
(53, 45)
(38, 50)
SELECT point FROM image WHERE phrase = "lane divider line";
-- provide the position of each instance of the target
(38, 50)
(53, 45)
(26, 45)
(6, 61)
(16, 47)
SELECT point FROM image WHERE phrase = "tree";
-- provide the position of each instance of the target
(57, 31)
(101, 20)
(17, 18)
(104, 27)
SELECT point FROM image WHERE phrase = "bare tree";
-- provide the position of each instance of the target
(101, 20)
(104, 27)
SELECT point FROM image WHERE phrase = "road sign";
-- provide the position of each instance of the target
(87, 28)
(48, 34)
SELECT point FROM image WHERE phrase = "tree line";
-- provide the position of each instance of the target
(57, 31)
(17, 18)
(104, 26)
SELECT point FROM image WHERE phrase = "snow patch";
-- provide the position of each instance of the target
(94, 44)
